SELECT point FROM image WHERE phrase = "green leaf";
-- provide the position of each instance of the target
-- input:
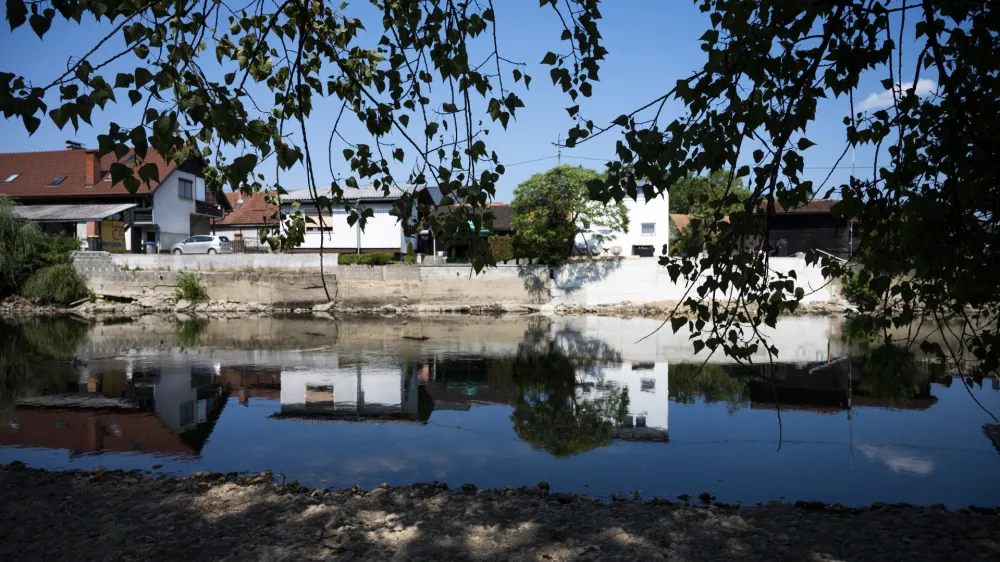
(698, 346)
(40, 24)
(549, 58)
(573, 110)
(119, 172)
(134, 96)
(149, 173)
(123, 80)
(398, 154)
(17, 13)
(517, 75)
(352, 182)
(678, 323)
(805, 143)
(449, 108)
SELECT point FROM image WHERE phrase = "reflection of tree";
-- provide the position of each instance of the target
(549, 414)
(28, 353)
(712, 383)
(190, 332)
(889, 372)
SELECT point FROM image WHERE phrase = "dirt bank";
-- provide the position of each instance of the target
(129, 516)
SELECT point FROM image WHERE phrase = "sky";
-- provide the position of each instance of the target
(651, 44)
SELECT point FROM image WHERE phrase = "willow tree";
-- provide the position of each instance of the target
(219, 81)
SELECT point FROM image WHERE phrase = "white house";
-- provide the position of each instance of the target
(383, 232)
(70, 191)
(648, 230)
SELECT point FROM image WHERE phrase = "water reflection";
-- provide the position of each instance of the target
(494, 401)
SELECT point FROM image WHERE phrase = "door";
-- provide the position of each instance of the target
(202, 244)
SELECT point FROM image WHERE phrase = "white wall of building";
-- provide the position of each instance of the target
(380, 389)
(654, 213)
(382, 231)
(647, 388)
(171, 213)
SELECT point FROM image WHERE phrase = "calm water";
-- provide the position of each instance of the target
(510, 401)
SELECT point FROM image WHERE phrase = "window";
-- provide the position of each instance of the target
(189, 240)
(12, 177)
(647, 385)
(185, 189)
(187, 413)
(649, 229)
(202, 238)
(57, 180)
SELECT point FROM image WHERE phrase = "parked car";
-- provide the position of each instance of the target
(203, 244)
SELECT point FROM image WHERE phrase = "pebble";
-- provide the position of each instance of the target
(252, 518)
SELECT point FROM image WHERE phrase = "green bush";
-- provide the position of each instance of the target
(189, 287)
(501, 248)
(365, 259)
(411, 257)
(19, 247)
(56, 284)
(57, 249)
(857, 292)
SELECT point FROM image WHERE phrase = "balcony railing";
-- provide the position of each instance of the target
(142, 216)
(208, 209)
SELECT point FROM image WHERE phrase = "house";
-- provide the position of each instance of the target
(648, 230)
(383, 231)
(70, 191)
(243, 223)
(458, 245)
(812, 226)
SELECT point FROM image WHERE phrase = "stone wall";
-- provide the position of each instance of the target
(225, 262)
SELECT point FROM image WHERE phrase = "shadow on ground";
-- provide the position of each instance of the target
(122, 516)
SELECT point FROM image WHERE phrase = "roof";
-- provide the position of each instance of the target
(70, 213)
(502, 214)
(37, 169)
(814, 207)
(680, 221)
(247, 211)
(367, 193)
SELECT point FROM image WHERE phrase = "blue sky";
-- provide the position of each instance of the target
(652, 43)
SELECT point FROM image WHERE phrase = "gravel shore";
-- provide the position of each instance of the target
(114, 515)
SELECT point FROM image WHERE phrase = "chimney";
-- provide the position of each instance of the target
(92, 168)
(73, 145)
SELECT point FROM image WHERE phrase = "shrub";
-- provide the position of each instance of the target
(189, 287)
(365, 259)
(411, 257)
(57, 249)
(56, 284)
(857, 291)
(501, 248)
(19, 247)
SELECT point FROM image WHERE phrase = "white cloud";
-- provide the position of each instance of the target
(883, 100)
(899, 460)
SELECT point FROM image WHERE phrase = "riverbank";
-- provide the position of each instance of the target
(123, 307)
(105, 515)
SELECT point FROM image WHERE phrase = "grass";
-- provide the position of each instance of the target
(189, 287)
(56, 284)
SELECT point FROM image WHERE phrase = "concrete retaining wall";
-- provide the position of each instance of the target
(260, 280)
(639, 281)
(225, 262)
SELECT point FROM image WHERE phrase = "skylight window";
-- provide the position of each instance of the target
(12, 177)
(57, 180)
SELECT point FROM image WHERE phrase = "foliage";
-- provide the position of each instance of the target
(56, 284)
(365, 259)
(189, 287)
(57, 249)
(701, 194)
(501, 248)
(710, 382)
(190, 332)
(701, 197)
(552, 207)
(410, 257)
(20, 241)
(857, 291)
(550, 416)
(28, 355)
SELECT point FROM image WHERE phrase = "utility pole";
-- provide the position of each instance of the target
(559, 149)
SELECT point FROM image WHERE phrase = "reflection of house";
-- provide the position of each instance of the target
(87, 431)
(348, 394)
(826, 388)
(646, 385)
(71, 191)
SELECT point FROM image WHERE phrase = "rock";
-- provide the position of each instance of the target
(705, 497)
(324, 307)
(469, 488)
(543, 485)
(183, 304)
(157, 466)
(345, 556)
(378, 492)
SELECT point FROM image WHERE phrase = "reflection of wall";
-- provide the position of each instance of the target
(799, 339)
(82, 431)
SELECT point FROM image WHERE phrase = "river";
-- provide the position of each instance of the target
(583, 403)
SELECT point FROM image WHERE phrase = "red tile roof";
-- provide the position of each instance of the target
(254, 211)
(680, 221)
(37, 169)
